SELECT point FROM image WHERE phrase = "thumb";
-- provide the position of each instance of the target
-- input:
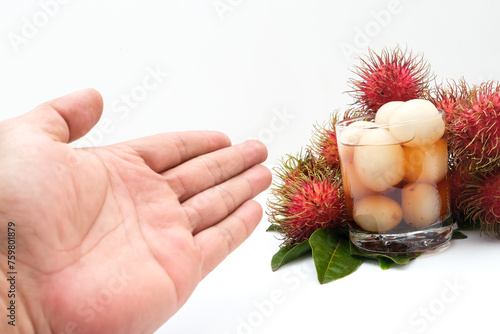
(69, 117)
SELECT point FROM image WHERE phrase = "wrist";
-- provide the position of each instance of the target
(14, 309)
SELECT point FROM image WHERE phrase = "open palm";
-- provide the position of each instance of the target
(115, 239)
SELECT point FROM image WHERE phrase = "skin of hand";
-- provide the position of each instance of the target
(115, 239)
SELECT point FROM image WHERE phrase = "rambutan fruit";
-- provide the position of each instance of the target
(473, 123)
(481, 202)
(324, 142)
(355, 112)
(293, 168)
(394, 75)
(458, 181)
(305, 197)
(449, 96)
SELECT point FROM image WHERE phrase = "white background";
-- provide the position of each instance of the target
(268, 70)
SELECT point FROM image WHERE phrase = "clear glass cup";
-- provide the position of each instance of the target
(396, 184)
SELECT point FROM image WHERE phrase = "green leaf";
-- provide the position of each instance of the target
(385, 261)
(274, 227)
(288, 254)
(458, 235)
(331, 254)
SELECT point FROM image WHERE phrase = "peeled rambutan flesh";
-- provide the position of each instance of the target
(394, 75)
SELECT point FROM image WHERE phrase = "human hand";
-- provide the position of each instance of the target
(115, 239)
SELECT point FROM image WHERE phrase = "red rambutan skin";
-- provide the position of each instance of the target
(316, 204)
(324, 143)
(473, 122)
(449, 96)
(394, 75)
(459, 180)
(306, 196)
(489, 191)
(481, 202)
(295, 168)
(329, 150)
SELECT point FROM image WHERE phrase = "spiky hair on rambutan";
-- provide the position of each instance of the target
(473, 122)
(324, 142)
(481, 202)
(305, 196)
(324, 138)
(449, 95)
(459, 179)
(293, 167)
(393, 75)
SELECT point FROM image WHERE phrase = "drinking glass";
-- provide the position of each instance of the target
(396, 186)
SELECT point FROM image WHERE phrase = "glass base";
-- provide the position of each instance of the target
(402, 243)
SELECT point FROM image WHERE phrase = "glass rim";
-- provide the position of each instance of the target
(344, 123)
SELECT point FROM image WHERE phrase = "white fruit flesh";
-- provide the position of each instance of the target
(421, 204)
(377, 213)
(379, 160)
(416, 123)
(384, 113)
(427, 163)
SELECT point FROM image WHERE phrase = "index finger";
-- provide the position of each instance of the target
(164, 151)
